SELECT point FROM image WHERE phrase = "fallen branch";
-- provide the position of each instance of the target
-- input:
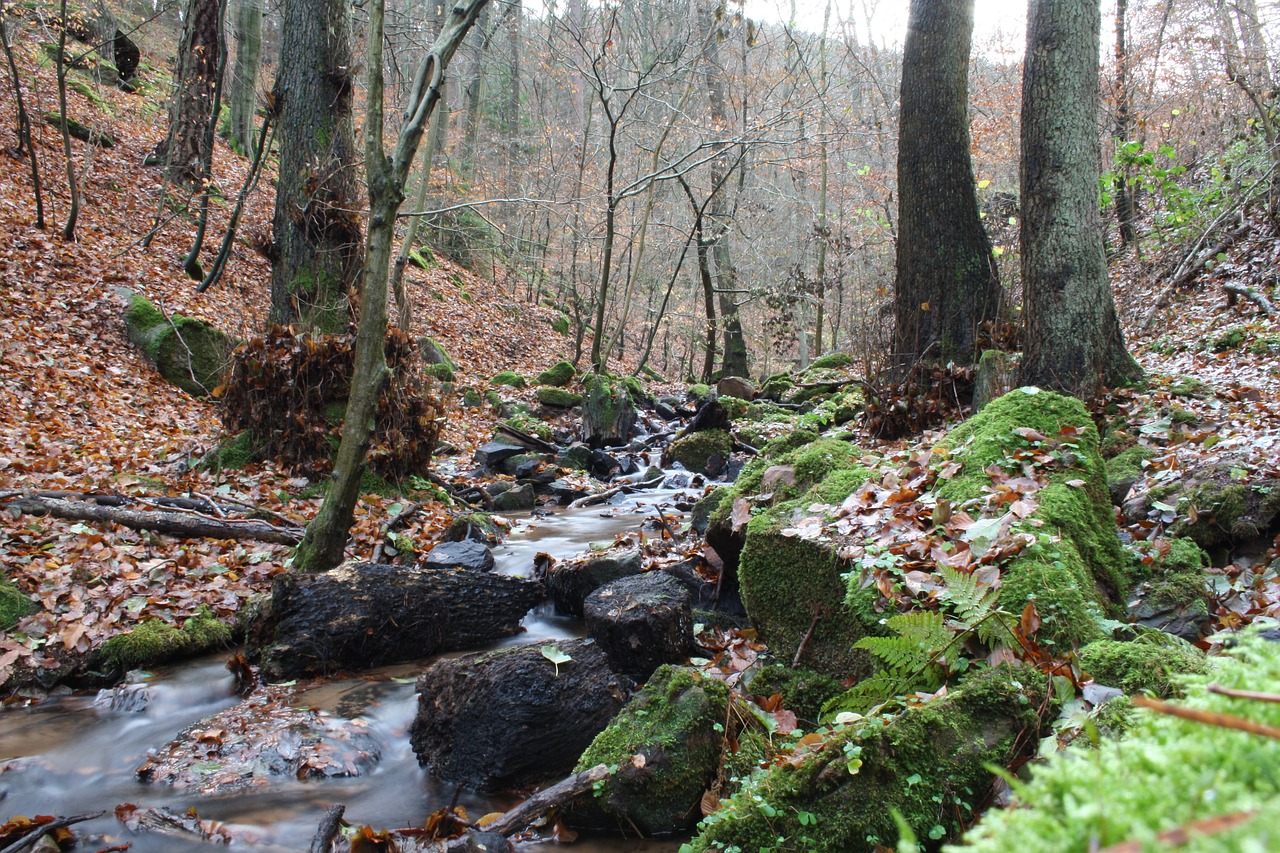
(1181, 835)
(172, 523)
(545, 800)
(1243, 694)
(1189, 269)
(322, 842)
(524, 439)
(37, 832)
(624, 489)
(1211, 718)
(1252, 295)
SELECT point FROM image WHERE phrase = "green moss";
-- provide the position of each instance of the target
(838, 485)
(1127, 467)
(1229, 339)
(509, 378)
(832, 361)
(1221, 512)
(635, 388)
(696, 450)
(1163, 774)
(803, 691)
(698, 392)
(188, 353)
(714, 505)
(736, 407)
(233, 453)
(1145, 665)
(1188, 386)
(558, 397)
(560, 324)
(675, 723)
(471, 398)
(776, 387)
(786, 581)
(13, 605)
(495, 401)
(440, 372)
(155, 641)
(930, 763)
(559, 375)
(816, 460)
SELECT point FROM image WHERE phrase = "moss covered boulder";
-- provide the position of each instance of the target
(930, 763)
(189, 353)
(1221, 506)
(1175, 598)
(155, 641)
(704, 452)
(666, 744)
(437, 359)
(1075, 569)
(558, 398)
(1151, 663)
(1124, 469)
(558, 375)
(508, 378)
(13, 605)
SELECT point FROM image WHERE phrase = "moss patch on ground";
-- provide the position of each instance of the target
(1163, 773)
(558, 375)
(675, 724)
(558, 398)
(929, 763)
(1148, 664)
(13, 605)
(509, 378)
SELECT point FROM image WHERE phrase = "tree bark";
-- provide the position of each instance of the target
(947, 283)
(1073, 338)
(187, 152)
(326, 537)
(1126, 204)
(318, 248)
(247, 28)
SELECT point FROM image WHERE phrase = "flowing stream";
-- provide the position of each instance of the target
(69, 755)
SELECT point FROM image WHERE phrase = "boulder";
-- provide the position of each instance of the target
(736, 386)
(474, 527)
(523, 496)
(514, 717)
(434, 355)
(575, 456)
(571, 581)
(366, 615)
(641, 622)
(557, 398)
(468, 554)
(189, 353)
(493, 454)
(558, 375)
(674, 728)
(704, 452)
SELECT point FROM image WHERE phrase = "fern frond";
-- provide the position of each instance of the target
(863, 696)
(973, 603)
(919, 636)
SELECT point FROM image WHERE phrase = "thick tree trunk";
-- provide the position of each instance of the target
(1073, 338)
(247, 28)
(187, 151)
(318, 247)
(1126, 204)
(947, 284)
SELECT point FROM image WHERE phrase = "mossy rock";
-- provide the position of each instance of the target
(1161, 775)
(1125, 469)
(529, 424)
(155, 641)
(704, 452)
(1189, 386)
(13, 605)
(841, 483)
(1227, 511)
(1077, 568)
(471, 398)
(930, 763)
(675, 724)
(233, 453)
(735, 407)
(558, 398)
(81, 131)
(560, 324)
(832, 361)
(786, 582)
(776, 387)
(803, 691)
(558, 375)
(509, 378)
(189, 353)
(1148, 664)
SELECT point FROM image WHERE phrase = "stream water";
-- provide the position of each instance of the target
(69, 755)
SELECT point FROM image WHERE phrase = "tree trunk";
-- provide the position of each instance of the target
(947, 284)
(247, 28)
(318, 248)
(1073, 338)
(187, 153)
(1126, 205)
(326, 537)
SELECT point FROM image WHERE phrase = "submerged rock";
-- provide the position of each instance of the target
(513, 717)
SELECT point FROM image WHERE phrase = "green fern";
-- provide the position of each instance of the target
(919, 636)
(973, 604)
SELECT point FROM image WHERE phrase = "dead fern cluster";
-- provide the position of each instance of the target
(290, 389)
(925, 398)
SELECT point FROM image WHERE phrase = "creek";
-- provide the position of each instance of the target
(74, 754)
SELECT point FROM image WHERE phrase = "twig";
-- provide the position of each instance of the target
(544, 801)
(1243, 694)
(625, 488)
(44, 829)
(1252, 295)
(395, 521)
(1210, 718)
(808, 635)
(322, 842)
(1181, 835)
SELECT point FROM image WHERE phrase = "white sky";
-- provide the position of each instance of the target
(999, 25)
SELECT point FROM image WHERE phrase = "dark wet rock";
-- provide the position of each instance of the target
(570, 582)
(260, 739)
(701, 580)
(665, 410)
(493, 454)
(604, 466)
(736, 386)
(641, 622)
(509, 718)
(475, 556)
(368, 615)
(566, 491)
(678, 480)
(479, 842)
(512, 465)
(472, 526)
(575, 456)
(125, 698)
(703, 452)
(711, 416)
(518, 497)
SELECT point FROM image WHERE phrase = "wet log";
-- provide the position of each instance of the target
(544, 801)
(367, 615)
(183, 525)
(641, 622)
(39, 831)
(327, 831)
(514, 717)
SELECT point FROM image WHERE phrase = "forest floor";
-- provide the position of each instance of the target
(81, 410)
